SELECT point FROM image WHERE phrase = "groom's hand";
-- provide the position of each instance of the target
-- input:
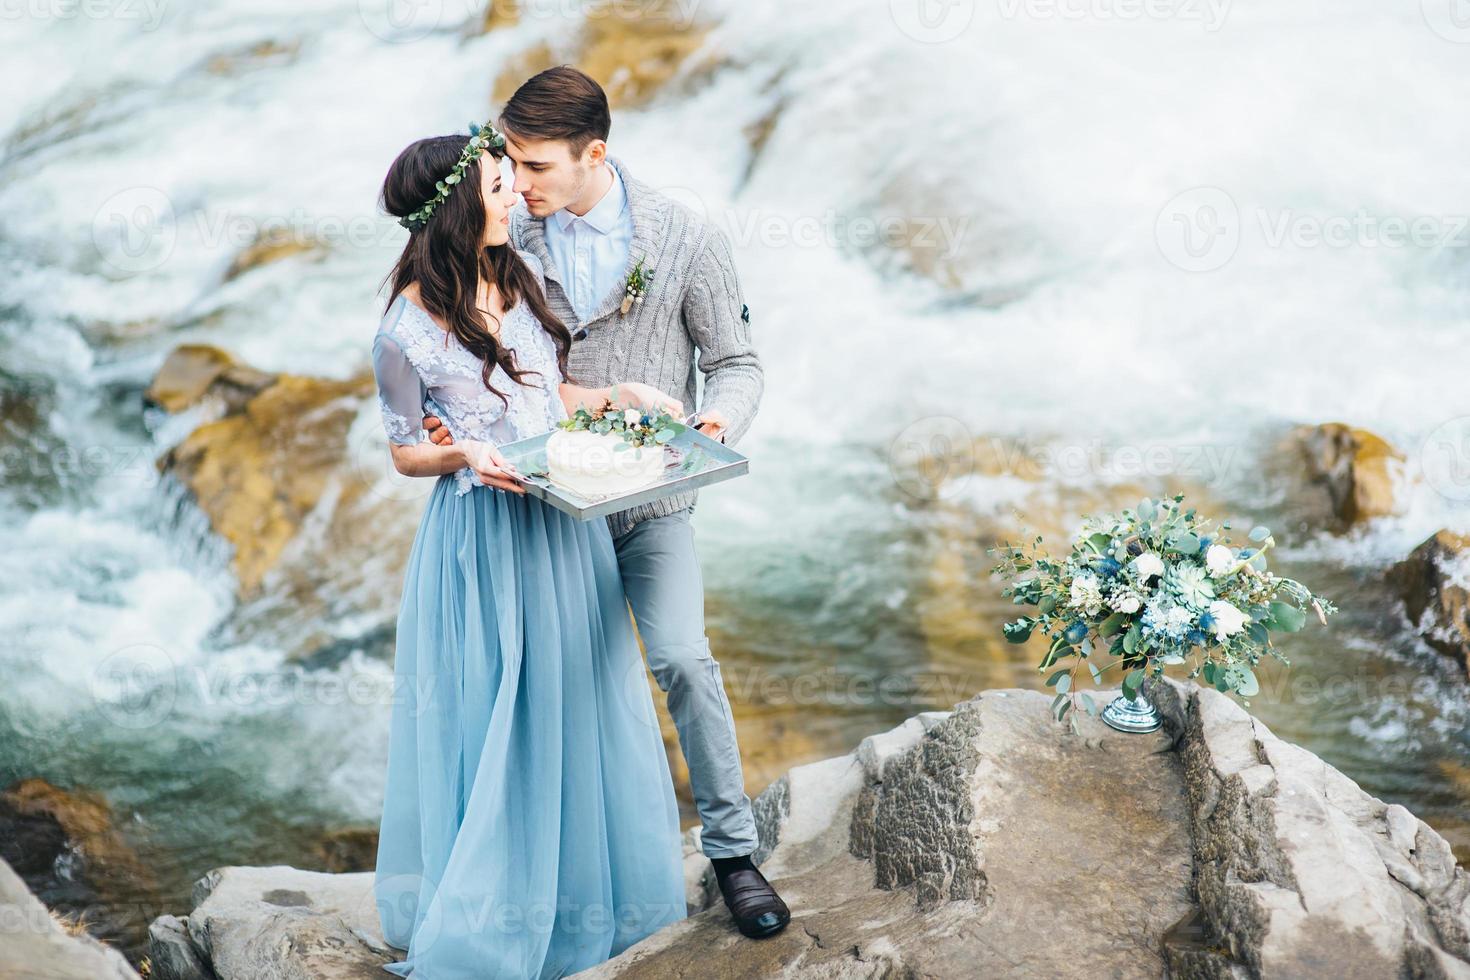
(713, 424)
(438, 431)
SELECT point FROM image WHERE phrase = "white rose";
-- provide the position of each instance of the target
(1227, 619)
(632, 416)
(1218, 559)
(1147, 565)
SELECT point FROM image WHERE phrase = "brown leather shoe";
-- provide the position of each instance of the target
(757, 909)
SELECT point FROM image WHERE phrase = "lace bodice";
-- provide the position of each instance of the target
(423, 369)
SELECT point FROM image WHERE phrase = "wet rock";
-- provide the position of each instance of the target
(260, 473)
(634, 51)
(269, 248)
(1359, 471)
(1434, 583)
(194, 372)
(349, 849)
(261, 54)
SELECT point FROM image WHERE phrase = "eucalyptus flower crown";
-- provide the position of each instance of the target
(481, 138)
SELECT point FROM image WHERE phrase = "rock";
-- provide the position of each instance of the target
(633, 51)
(296, 480)
(66, 846)
(34, 945)
(936, 848)
(274, 923)
(171, 955)
(257, 474)
(700, 888)
(989, 841)
(273, 247)
(349, 849)
(1359, 470)
(194, 372)
(261, 54)
(497, 14)
(1298, 872)
(1434, 583)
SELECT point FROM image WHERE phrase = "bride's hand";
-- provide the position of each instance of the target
(635, 394)
(490, 466)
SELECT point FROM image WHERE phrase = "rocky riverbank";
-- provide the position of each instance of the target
(983, 839)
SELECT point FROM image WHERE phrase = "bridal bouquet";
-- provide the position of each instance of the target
(1155, 586)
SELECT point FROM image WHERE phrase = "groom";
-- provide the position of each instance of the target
(590, 222)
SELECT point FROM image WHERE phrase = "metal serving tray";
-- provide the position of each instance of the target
(697, 461)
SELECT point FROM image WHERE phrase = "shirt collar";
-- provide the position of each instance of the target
(603, 216)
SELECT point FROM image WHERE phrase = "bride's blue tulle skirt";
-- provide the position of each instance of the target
(529, 827)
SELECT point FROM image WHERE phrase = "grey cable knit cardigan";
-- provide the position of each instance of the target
(694, 304)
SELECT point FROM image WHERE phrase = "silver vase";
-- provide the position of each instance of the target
(1138, 715)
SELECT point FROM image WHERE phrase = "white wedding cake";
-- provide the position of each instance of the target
(591, 464)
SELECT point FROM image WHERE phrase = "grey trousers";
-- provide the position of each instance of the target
(665, 589)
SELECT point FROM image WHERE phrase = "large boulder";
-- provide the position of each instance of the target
(1434, 583)
(990, 841)
(33, 944)
(259, 472)
(293, 474)
(273, 923)
(1297, 871)
(982, 842)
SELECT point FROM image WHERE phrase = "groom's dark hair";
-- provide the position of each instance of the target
(560, 103)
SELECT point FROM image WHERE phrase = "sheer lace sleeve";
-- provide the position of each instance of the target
(401, 391)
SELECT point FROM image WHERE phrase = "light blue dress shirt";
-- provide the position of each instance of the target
(590, 251)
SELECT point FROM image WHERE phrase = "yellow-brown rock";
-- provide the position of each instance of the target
(1434, 583)
(256, 55)
(1358, 469)
(257, 474)
(86, 821)
(270, 248)
(634, 52)
(498, 14)
(193, 371)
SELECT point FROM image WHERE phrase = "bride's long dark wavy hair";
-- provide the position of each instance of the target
(448, 261)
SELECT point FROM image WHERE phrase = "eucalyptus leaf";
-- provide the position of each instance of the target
(1288, 618)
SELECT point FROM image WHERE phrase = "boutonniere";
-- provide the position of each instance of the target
(636, 286)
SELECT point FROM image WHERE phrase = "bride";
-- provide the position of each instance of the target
(529, 827)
